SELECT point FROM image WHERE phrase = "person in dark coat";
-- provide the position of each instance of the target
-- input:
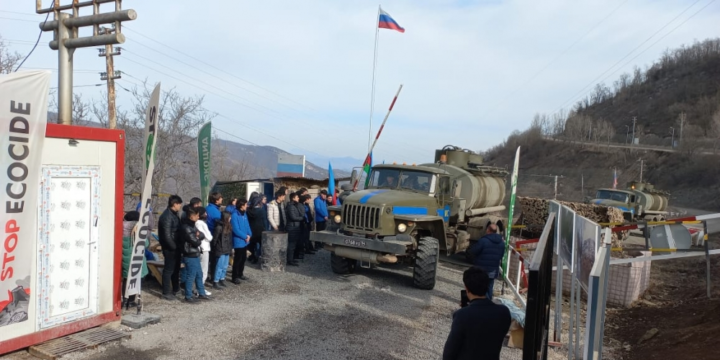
(167, 232)
(478, 330)
(220, 249)
(308, 225)
(295, 218)
(487, 254)
(302, 245)
(192, 239)
(257, 218)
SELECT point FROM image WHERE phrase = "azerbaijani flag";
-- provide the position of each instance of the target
(385, 21)
(331, 184)
(367, 166)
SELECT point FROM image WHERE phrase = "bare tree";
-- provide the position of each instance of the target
(8, 60)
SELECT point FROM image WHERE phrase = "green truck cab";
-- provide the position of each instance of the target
(409, 214)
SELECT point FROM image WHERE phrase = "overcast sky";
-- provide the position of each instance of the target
(473, 71)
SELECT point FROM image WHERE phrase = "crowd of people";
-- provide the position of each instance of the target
(204, 238)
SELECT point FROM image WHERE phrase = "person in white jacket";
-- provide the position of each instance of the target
(276, 212)
(201, 226)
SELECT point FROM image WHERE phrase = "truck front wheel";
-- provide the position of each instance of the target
(426, 262)
(341, 265)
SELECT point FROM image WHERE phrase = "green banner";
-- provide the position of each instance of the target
(204, 140)
(513, 191)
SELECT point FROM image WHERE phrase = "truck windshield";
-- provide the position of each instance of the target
(612, 195)
(403, 179)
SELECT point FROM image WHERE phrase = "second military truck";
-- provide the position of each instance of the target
(409, 213)
(640, 201)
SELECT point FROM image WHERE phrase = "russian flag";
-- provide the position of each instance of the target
(385, 21)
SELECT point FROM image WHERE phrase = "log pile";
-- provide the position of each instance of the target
(535, 211)
(534, 214)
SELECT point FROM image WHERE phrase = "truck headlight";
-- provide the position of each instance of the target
(401, 227)
(337, 219)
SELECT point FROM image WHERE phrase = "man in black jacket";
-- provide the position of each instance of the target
(478, 330)
(295, 217)
(167, 231)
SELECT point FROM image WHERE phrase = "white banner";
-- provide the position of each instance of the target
(142, 230)
(23, 120)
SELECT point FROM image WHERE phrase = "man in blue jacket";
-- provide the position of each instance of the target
(213, 214)
(241, 238)
(487, 254)
(321, 212)
(213, 210)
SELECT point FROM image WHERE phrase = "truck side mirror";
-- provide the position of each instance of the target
(353, 176)
(456, 187)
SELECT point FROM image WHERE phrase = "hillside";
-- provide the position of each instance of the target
(684, 80)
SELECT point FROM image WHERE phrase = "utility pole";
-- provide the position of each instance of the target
(633, 138)
(682, 123)
(641, 169)
(582, 185)
(555, 187)
(672, 139)
(110, 75)
(65, 27)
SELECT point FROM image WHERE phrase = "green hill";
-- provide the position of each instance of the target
(684, 83)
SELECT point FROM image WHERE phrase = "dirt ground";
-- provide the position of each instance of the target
(305, 313)
(676, 309)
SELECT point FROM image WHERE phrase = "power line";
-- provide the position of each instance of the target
(574, 97)
(499, 104)
(76, 86)
(239, 123)
(658, 40)
(202, 82)
(34, 46)
(214, 67)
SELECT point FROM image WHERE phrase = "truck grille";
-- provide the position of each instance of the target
(359, 217)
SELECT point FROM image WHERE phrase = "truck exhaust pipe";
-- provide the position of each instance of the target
(362, 255)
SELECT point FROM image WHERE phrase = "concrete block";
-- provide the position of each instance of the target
(136, 321)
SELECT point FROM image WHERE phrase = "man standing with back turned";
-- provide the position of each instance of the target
(478, 330)
(487, 254)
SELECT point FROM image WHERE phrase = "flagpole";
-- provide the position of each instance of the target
(372, 91)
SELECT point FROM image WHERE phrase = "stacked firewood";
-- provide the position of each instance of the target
(534, 214)
(535, 211)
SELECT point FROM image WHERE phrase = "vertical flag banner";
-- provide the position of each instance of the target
(367, 166)
(204, 140)
(23, 120)
(385, 21)
(331, 184)
(513, 191)
(142, 229)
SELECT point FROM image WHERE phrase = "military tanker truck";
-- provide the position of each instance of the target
(409, 213)
(640, 201)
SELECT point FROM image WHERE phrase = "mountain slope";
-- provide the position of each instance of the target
(685, 80)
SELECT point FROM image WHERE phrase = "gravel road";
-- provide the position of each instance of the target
(305, 313)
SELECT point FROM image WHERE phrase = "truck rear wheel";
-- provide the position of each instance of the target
(426, 261)
(341, 265)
